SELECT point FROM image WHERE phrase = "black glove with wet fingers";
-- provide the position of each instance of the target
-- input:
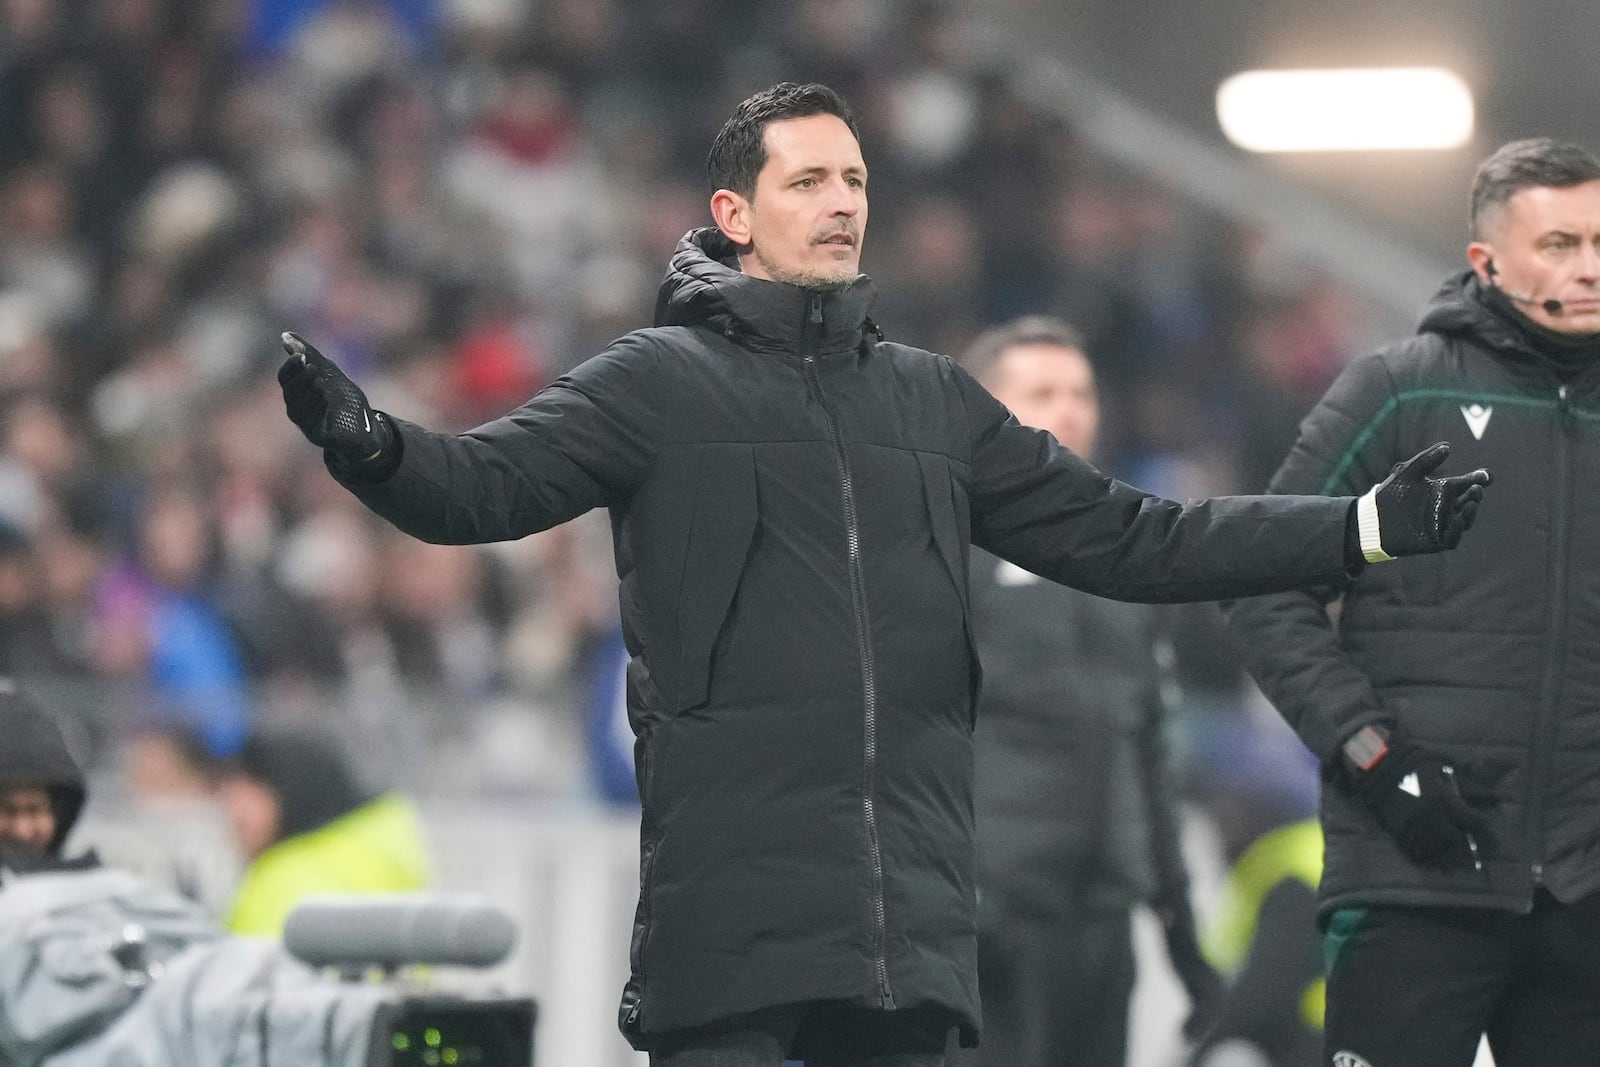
(332, 411)
(1410, 513)
(1413, 793)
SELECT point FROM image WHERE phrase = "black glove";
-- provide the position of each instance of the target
(1414, 795)
(1200, 980)
(1409, 513)
(331, 410)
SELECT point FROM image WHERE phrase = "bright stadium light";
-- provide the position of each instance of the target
(1345, 110)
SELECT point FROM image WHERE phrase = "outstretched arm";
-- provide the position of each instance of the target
(583, 442)
(1050, 512)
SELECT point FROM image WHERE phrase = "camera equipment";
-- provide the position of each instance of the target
(448, 1031)
(355, 935)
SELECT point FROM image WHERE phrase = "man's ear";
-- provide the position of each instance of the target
(1481, 256)
(731, 213)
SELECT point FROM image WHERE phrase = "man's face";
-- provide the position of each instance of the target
(1051, 388)
(808, 215)
(27, 820)
(1545, 244)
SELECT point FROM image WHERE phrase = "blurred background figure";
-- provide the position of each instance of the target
(1259, 786)
(41, 785)
(1077, 807)
(307, 827)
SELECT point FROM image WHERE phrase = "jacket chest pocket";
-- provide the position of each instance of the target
(704, 519)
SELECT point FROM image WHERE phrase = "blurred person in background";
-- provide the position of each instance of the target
(307, 827)
(1077, 809)
(160, 625)
(1258, 786)
(42, 789)
(26, 641)
(793, 499)
(1452, 705)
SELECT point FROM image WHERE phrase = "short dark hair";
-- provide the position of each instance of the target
(983, 354)
(740, 150)
(1539, 162)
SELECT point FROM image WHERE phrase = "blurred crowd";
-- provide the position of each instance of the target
(457, 200)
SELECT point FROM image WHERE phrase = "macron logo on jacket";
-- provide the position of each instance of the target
(1477, 417)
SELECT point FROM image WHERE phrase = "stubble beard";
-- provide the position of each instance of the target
(814, 280)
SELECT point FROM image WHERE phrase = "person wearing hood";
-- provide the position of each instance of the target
(792, 500)
(308, 828)
(1453, 704)
(42, 788)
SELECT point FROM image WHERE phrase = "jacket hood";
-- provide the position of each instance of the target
(1465, 307)
(704, 287)
(35, 753)
(312, 781)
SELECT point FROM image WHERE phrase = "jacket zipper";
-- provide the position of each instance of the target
(812, 332)
(1544, 726)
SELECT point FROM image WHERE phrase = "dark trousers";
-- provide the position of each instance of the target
(1417, 987)
(1055, 994)
(825, 1034)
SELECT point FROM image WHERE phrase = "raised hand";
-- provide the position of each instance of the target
(330, 409)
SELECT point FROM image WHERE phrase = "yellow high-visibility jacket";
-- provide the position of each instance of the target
(376, 848)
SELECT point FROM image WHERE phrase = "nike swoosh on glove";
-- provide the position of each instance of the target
(331, 410)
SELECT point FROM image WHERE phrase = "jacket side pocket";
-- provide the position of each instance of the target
(949, 519)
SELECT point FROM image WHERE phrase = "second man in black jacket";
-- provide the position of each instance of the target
(1456, 705)
(1077, 810)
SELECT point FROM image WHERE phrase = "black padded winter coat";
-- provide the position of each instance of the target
(1486, 654)
(792, 502)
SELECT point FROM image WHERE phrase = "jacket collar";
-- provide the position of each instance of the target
(1465, 306)
(704, 287)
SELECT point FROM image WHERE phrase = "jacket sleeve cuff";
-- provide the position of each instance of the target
(1367, 529)
(378, 467)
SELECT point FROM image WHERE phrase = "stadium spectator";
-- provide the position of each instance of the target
(1451, 705)
(160, 623)
(1076, 804)
(793, 500)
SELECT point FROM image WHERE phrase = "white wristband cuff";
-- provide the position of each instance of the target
(1367, 528)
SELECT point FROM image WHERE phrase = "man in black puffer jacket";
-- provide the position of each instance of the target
(792, 502)
(1456, 703)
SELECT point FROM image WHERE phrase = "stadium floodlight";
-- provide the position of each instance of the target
(1344, 110)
